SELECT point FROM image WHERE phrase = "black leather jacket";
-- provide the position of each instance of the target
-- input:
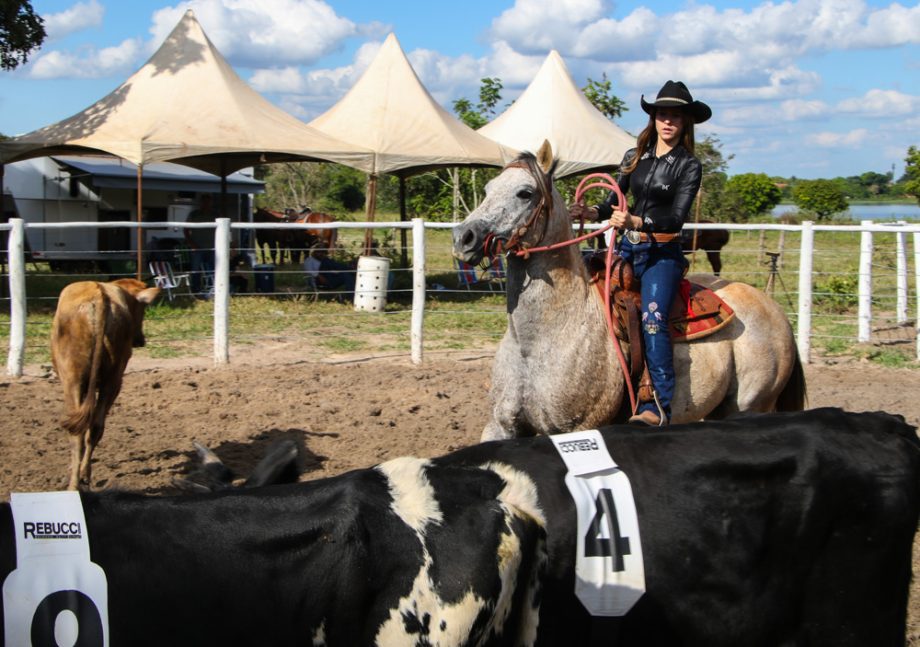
(663, 189)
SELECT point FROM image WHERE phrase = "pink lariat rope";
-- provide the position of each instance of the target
(605, 182)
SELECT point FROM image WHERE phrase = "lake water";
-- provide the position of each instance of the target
(869, 211)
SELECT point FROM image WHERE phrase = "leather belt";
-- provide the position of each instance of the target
(636, 237)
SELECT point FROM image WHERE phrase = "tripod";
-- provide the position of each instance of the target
(770, 287)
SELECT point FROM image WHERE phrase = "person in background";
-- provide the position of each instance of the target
(663, 176)
(326, 273)
(201, 243)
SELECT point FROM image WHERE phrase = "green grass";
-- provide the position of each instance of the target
(456, 319)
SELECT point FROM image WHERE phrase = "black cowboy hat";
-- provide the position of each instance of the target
(674, 94)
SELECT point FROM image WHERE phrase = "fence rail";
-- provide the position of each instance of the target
(420, 290)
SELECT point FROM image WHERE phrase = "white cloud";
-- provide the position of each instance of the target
(513, 68)
(881, 103)
(533, 26)
(619, 40)
(286, 79)
(797, 109)
(86, 64)
(82, 15)
(265, 33)
(851, 139)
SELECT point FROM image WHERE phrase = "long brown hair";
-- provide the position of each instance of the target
(649, 138)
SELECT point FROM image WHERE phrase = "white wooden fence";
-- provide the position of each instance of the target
(223, 227)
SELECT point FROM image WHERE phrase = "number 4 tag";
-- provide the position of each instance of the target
(609, 571)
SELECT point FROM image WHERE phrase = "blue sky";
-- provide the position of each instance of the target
(805, 88)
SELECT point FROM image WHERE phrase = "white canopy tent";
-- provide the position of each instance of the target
(391, 112)
(185, 105)
(553, 108)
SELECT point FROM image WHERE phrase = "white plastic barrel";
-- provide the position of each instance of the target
(371, 283)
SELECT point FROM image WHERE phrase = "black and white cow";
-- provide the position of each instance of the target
(782, 529)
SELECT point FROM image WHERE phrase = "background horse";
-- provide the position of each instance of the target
(302, 240)
(710, 241)
(556, 369)
(274, 239)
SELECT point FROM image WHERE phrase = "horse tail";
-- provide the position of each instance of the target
(795, 393)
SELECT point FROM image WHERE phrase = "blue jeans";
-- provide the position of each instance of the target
(659, 268)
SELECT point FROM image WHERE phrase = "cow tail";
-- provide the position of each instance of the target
(794, 395)
(81, 419)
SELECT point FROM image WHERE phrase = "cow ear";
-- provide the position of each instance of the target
(148, 295)
(545, 156)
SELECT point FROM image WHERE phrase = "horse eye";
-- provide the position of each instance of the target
(525, 194)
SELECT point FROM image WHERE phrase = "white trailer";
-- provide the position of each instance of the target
(104, 189)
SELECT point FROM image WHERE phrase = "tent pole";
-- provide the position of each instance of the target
(403, 241)
(223, 188)
(371, 208)
(140, 218)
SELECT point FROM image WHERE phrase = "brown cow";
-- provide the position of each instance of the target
(95, 327)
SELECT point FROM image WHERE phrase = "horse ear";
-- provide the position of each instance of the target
(545, 156)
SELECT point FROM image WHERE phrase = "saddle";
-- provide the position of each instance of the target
(696, 312)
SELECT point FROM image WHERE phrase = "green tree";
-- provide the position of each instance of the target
(755, 192)
(911, 180)
(490, 93)
(21, 32)
(715, 165)
(318, 185)
(875, 183)
(600, 95)
(821, 197)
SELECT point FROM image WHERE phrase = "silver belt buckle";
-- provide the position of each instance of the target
(633, 236)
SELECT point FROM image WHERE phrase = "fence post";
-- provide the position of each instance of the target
(917, 285)
(418, 288)
(221, 291)
(17, 262)
(901, 251)
(864, 312)
(806, 262)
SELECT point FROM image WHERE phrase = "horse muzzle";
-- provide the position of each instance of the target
(469, 239)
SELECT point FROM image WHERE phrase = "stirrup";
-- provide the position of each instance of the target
(651, 418)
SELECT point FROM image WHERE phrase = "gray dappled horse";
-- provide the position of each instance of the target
(556, 368)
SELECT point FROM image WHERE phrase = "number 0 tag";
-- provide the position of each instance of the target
(609, 571)
(56, 595)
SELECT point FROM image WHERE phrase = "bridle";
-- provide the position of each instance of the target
(515, 244)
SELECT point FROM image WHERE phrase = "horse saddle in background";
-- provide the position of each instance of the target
(697, 311)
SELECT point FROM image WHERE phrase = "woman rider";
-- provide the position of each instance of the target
(663, 176)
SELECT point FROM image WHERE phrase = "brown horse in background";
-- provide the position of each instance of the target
(274, 239)
(294, 243)
(710, 241)
(305, 239)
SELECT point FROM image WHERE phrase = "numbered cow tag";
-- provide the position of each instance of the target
(56, 595)
(609, 571)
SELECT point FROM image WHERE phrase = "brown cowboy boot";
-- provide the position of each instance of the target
(647, 395)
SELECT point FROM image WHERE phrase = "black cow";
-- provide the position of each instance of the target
(782, 529)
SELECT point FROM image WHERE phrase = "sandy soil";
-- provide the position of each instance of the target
(344, 413)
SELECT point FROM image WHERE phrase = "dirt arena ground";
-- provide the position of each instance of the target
(344, 413)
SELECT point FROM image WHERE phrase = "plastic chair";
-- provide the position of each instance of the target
(496, 271)
(490, 274)
(164, 278)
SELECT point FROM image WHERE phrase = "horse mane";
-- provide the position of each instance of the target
(529, 160)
